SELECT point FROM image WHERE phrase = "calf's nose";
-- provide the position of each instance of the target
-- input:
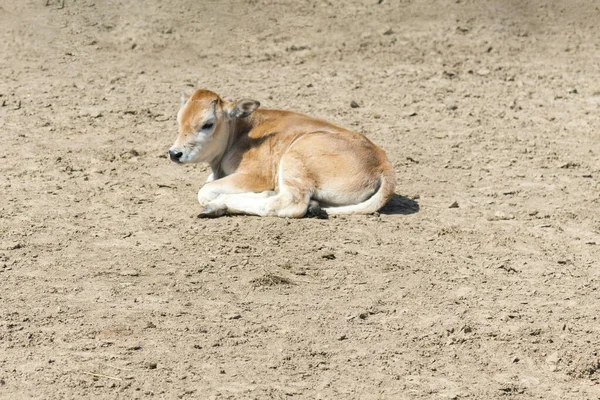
(175, 155)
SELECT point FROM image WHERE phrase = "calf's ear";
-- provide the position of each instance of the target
(241, 108)
(185, 95)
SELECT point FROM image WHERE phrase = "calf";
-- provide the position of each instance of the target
(278, 163)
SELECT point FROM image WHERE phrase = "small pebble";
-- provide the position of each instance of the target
(151, 365)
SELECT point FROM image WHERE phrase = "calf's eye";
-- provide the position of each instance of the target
(208, 126)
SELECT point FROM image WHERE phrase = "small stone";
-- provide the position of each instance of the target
(328, 256)
(354, 104)
(454, 205)
(450, 74)
(300, 272)
(500, 216)
(151, 365)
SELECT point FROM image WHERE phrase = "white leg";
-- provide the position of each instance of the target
(262, 204)
(232, 184)
(242, 203)
(206, 195)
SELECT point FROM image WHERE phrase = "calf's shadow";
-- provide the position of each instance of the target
(400, 205)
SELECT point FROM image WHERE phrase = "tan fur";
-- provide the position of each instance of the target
(274, 162)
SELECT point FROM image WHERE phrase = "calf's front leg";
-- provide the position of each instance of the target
(233, 184)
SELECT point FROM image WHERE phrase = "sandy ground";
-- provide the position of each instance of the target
(110, 287)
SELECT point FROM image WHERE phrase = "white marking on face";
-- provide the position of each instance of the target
(202, 146)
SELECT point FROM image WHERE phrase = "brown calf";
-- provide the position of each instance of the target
(277, 163)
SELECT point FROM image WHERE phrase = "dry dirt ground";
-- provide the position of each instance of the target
(110, 287)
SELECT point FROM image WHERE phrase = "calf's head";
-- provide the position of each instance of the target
(204, 126)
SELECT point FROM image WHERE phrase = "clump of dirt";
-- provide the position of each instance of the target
(588, 368)
(271, 280)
